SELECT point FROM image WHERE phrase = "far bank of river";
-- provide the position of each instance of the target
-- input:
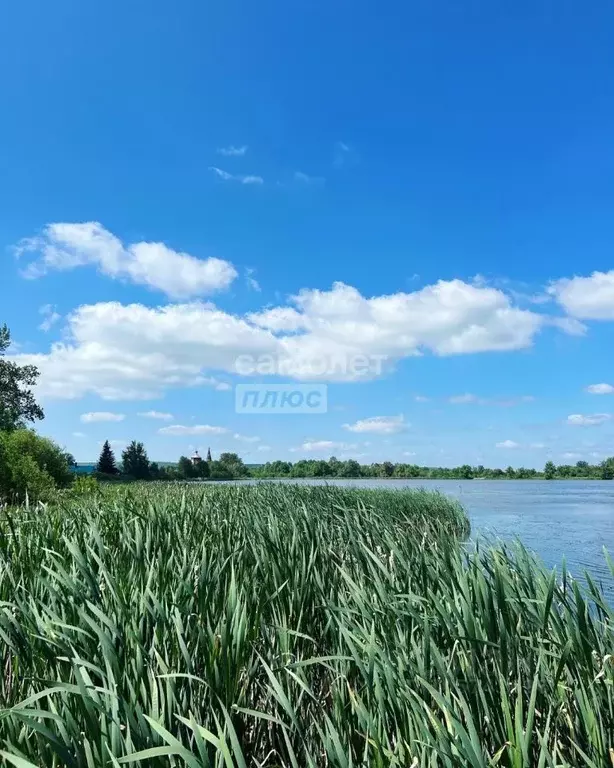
(557, 519)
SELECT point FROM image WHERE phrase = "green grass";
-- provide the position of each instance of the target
(278, 625)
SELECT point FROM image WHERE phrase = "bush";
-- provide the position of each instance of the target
(86, 485)
(32, 465)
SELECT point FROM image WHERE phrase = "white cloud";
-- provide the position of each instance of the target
(136, 352)
(409, 453)
(197, 429)
(246, 438)
(78, 434)
(538, 446)
(569, 325)
(232, 151)
(381, 425)
(314, 446)
(448, 318)
(50, 317)
(571, 456)
(264, 448)
(600, 389)
(589, 298)
(421, 399)
(251, 281)
(507, 444)
(279, 319)
(96, 416)
(155, 265)
(593, 420)
(503, 402)
(463, 399)
(225, 176)
(156, 415)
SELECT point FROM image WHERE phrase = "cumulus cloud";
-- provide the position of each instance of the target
(600, 389)
(507, 444)
(95, 416)
(179, 430)
(593, 420)
(179, 275)
(379, 425)
(225, 176)
(232, 151)
(131, 352)
(588, 298)
(447, 318)
(156, 415)
(136, 352)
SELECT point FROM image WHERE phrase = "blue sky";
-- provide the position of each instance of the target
(430, 183)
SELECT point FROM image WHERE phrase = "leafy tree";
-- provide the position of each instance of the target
(234, 464)
(607, 469)
(17, 403)
(220, 471)
(185, 468)
(33, 465)
(549, 470)
(135, 462)
(352, 468)
(202, 470)
(106, 463)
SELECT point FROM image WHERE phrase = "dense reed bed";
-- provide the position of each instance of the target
(290, 626)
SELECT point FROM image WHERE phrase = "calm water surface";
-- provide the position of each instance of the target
(557, 519)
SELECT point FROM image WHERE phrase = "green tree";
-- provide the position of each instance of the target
(233, 464)
(185, 468)
(32, 464)
(106, 463)
(220, 471)
(17, 403)
(549, 470)
(352, 468)
(202, 470)
(607, 469)
(135, 462)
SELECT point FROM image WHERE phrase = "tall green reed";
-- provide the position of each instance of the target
(280, 625)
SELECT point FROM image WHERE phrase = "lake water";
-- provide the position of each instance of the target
(556, 519)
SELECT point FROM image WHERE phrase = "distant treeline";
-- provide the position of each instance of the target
(333, 467)
(135, 465)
